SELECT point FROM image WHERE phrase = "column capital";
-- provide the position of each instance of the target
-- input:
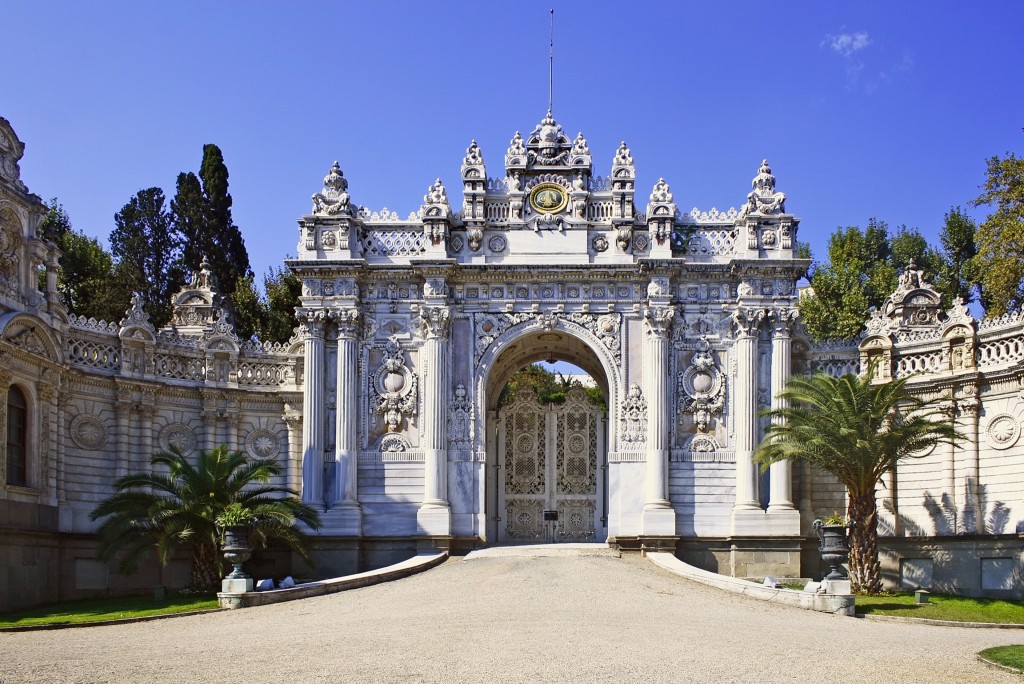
(782, 321)
(436, 321)
(748, 320)
(348, 320)
(312, 323)
(658, 321)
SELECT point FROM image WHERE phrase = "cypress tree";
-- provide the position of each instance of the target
(225, 251)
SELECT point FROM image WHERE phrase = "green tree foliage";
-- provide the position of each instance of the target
(203, 215)
(858, 275)
(550, 388)
(269, 316)
(148, 252)
(957, 277)
(156, 512)
(999, 263)
(857, 431)
(283, 290)
(85, 273)
(862, 270)
(249, 309)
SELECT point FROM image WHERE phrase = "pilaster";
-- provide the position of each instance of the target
(747, 516)
(782, 516)
(434, 515)
(346, 517)
(313, 408)
(659, 518)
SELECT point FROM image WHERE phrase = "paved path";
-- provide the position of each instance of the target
(510, 619)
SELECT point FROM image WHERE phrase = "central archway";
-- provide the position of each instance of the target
(566, 432)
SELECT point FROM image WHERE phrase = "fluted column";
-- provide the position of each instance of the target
(347, 414)
(434, 517)
(313, 408)
(745, 408)
(293, 424)
(658, 515)
(973, 516)
(780, 493)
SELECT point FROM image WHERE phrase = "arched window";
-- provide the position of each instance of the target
(17, 438)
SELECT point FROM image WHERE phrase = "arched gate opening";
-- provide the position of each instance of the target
(547, 463)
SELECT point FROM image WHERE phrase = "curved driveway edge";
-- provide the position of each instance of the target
(408, 567)
(837, 604)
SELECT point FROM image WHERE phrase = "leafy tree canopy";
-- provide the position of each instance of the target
(202, 212)
(999, 262)
(863, 268)
(148, 252)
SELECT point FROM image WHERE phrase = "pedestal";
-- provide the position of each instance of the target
(434, 520)
(236, 586)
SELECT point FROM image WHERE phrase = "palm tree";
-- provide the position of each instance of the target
(856, 430)
(163, 512)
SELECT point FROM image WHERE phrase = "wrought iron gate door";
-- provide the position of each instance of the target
(549, 462)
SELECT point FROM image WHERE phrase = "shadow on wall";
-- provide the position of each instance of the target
(947, 520)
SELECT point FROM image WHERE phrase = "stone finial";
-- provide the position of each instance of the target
(763, 199)
(436, 194)
(623, 157)
(334, 198)
(473, 155)
(136, 315)
(517, 147)
(661, 193)
(579, 146)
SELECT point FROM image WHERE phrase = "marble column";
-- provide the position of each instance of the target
(313, 409)
(434, 515)
(747, 516)
(346, 434)
(783, 517)
(659, 518)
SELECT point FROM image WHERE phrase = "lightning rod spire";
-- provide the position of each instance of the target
(551, 63)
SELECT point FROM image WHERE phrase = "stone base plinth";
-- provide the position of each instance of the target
(344, 520)
(658, 521)
(236, 586)
(841, 587)
(434, 520)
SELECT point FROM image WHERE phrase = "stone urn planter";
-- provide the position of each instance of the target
(835, 546)
(237, 548)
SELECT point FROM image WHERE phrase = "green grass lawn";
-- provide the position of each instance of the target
(100, 610)
(944, 607)
(1011, 656)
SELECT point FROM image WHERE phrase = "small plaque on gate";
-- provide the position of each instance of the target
(550, 515)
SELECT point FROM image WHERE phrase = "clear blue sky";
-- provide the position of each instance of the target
(862, 109)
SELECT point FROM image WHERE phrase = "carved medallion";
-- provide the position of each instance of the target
(179, 436)
(262, 443)
(548, 198)
(1003, 431)
(88, 432)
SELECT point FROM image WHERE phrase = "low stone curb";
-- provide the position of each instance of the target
(408, 567)
(939, 623)
(837, 604)
(998, 666)
(102, 623)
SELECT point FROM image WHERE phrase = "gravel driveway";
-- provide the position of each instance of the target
(510, 619)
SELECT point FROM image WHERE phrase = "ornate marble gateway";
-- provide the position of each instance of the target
(544, 260)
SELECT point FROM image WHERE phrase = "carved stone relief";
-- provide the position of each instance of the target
(262, 443)
(393, 388)
(88, 432)
(701, 387)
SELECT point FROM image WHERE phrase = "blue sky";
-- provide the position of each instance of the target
(862, 109)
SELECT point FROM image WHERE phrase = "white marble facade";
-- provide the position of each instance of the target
(384, 404)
